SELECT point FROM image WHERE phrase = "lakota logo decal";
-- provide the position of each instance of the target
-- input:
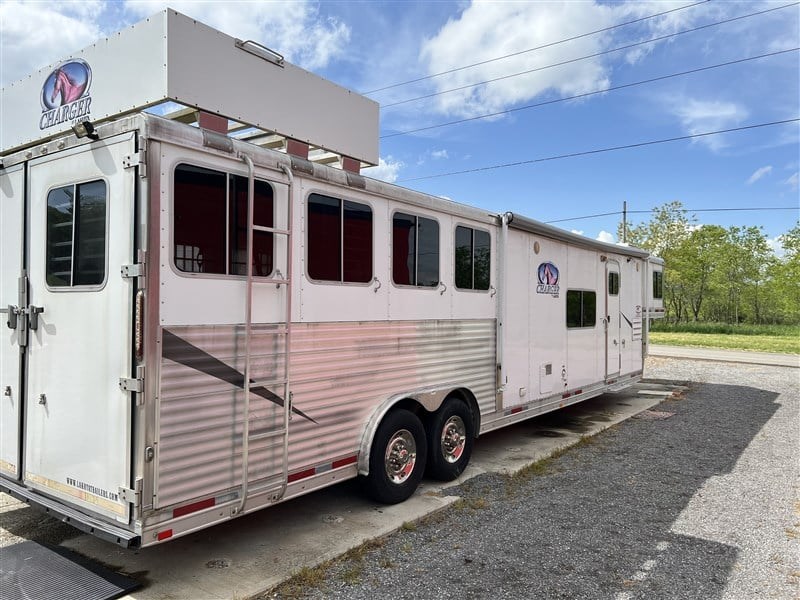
(65, 93)
(548, 279)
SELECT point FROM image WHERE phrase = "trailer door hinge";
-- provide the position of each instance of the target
(131, 271)
(132, 496)
(138, 159)
(131, 384)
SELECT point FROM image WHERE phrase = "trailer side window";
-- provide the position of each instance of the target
(581, 308)
(210, 222)
(339, 240)
(658, 284)
(472, 255)
(415, 250)
(613, 284)
(76, 235)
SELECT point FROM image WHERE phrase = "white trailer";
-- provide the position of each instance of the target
(155, 381)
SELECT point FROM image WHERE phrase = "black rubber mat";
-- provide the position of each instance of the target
(30, 571)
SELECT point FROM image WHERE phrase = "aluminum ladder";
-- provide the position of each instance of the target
(284, 330)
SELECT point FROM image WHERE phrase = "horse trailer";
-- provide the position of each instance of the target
(209, 310)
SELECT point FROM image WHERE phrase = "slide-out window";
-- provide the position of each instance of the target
(339, 244)
(473, 258)
(581, 308)
(415, 250)
(76, 235)
(210, 222)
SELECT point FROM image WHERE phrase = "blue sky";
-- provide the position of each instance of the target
(370, 45)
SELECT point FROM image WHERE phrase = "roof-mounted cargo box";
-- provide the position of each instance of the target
(172, 58)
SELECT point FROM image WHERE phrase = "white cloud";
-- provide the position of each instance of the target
(700, 116)
(776, 247)
(295, 29)
(437, 154)
(485, 30)
(759, 173)
(36, 34)
(605, 236)
(577, 231)
(792, 182)
(387, 170)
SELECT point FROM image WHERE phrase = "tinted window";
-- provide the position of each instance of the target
(76, 235)
(581, 308)
(658, 284)
(339, 240)
(472, 258)
(613, 284)
(415, 250)
(210, 222)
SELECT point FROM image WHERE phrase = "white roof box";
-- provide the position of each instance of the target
(170, 57)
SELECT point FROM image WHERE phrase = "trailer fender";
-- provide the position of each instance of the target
(429, 399)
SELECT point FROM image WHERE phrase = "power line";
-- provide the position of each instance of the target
(548, 45)
(686, 210)
(586, 94)
(588, 56)
(602, 150)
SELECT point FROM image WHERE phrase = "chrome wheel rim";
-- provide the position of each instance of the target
(454, 439)
(401, 456)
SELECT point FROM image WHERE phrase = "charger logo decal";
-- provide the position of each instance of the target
(65, 94)
(548, 279)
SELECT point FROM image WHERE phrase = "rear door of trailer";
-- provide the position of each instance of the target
(67, 222)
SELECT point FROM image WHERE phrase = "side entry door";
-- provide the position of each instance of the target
(77, 420)
(612, 319)
(12, 333)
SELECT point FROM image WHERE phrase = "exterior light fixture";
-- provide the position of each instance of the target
(85, 129)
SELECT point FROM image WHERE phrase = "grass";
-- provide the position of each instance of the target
(783, 339)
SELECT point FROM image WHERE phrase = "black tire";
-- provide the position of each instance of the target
(394, 479)
(451, 433)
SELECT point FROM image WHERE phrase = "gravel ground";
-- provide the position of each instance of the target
(697, 498)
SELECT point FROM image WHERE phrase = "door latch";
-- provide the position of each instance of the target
(12, 312)
(33, 313)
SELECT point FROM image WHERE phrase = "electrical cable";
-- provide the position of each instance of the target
(686, 210)
(602, 150)
(548, 45)
(573, 60)
(586, 94)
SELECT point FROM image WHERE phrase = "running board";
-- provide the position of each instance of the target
(106, 531)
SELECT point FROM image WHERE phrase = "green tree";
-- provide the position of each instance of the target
(694, 262)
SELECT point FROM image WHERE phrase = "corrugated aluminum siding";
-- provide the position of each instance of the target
(340, 373)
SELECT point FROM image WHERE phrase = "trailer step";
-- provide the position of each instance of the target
(84, 522)
(267, 383)
(264, 435)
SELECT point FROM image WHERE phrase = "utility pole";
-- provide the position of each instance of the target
(624, 222)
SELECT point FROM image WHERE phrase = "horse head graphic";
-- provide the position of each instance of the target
(66, 83)
(548, 274)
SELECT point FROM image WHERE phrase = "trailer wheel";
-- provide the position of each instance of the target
(397, 458)
(450, 433)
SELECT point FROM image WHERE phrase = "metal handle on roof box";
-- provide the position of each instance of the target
(261, 51)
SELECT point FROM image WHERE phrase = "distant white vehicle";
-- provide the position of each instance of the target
(199, 326)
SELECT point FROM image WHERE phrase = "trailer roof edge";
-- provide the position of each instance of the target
(517, 221)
